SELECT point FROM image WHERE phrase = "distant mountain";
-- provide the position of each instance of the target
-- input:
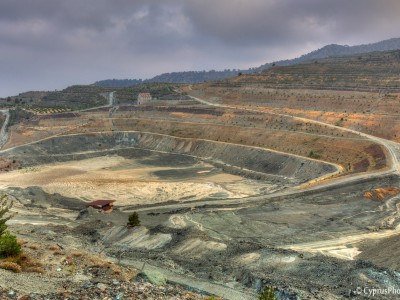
(338, 50)
(193, 76)
(201, 76)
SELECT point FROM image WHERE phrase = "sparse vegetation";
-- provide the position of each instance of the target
(314, 155)
(26, 263)
(11, 266)
(268, 294)
(339, 123)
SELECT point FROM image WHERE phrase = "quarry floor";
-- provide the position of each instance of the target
(132, 182)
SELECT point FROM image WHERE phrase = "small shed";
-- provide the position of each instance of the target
(105, 205)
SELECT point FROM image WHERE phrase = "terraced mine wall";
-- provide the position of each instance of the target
(247, 161)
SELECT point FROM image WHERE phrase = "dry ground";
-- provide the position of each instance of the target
(132, 183)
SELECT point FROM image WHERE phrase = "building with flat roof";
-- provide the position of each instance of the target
(105, 205)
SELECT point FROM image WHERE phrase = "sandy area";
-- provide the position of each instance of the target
(343, 247)
(115, 177)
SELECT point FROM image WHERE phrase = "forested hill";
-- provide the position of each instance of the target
(174, 77)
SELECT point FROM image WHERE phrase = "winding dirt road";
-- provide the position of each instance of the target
(393, 148)
(339, 247)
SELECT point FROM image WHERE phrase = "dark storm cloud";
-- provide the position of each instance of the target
(46, 44)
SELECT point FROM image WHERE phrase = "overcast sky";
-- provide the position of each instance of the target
(50, 44)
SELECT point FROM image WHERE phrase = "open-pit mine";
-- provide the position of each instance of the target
(285, 178)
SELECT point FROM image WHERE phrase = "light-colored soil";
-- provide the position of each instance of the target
(108, 178)
(339, 247)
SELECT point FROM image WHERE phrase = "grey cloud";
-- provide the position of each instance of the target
(287, 21)
(51, 42)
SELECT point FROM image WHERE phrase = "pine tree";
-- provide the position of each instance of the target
(133, 219)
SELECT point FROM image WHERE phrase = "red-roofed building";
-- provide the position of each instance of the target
(144, 98)
(105, 205)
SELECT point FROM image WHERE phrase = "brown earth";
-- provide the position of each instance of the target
(382, 193)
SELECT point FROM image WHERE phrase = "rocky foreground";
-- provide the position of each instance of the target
(54, 265)
(114, 291)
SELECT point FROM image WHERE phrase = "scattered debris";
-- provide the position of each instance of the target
(382, 193)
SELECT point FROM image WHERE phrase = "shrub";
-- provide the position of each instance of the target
(313, 154)
(20, 259)
(11, 266)
(133, 219)
(268, 294)
(9, 245)
(26, 263)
